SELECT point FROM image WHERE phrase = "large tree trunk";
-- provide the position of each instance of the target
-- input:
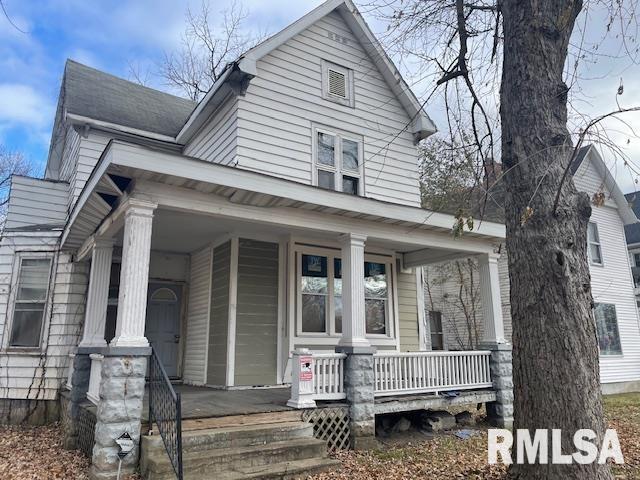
(555, 352)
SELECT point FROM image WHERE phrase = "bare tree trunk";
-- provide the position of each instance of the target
(555, 364)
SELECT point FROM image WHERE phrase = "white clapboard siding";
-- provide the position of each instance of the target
(216, 140)
(275, 117)
(408, 312)
(33, 201)
(69, 154)
(40, 376)
(195, 356)
(89, 152)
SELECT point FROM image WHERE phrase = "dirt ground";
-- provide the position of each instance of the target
(35, 453)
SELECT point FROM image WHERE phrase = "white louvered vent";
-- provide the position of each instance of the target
(337, 84)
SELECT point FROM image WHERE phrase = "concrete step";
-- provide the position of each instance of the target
(236, 436)
(281, 471)
(218, 461)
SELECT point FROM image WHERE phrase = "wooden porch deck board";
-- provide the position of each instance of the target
(408, 403)
(203, 402)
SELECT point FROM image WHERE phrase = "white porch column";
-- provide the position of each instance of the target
(134, 275)
(98, 294)
(490, 296)
(353, 312)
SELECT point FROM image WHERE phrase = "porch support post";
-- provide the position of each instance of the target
(353, 316)
(97, 295)
(500, 412)
(490, 297)
(134, 276)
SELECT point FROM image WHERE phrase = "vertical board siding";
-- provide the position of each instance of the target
(216, 140)
(33, 201)
(257, 313)
(41, 376)
(219, 318)
(275, 117)
(408, 312)
(196, 343)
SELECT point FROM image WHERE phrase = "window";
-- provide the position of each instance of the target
(338, 162)
(435, 327)
(337, 84)
(636, 259)
(320, 309)
(30, 302)
(593, 244)
(607, 328)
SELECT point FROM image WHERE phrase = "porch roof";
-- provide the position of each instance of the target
(185, 181)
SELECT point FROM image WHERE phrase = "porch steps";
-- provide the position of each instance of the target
(284, 450)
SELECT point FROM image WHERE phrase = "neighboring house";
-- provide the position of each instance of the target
(632, 233)
(281, 212)
(453, 301)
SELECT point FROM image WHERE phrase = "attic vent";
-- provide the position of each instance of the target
(337, 84)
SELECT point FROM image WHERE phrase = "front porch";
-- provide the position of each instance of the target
(273, 290)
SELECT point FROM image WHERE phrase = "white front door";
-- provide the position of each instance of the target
(163, 323)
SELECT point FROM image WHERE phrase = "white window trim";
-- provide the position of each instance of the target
(609, 355)
(349, 101)
(17, 266)
(337, 169)
(598, 243)
(331, 334)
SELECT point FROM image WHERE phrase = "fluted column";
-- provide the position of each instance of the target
(98, 294)
(490, 297)
(134, 275)
(353, 312)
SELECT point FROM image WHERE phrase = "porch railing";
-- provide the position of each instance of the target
(421, 372)
(328, 376)
(165, 410)
(95, 377)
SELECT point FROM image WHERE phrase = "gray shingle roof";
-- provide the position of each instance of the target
(632, 232)
(101, 96)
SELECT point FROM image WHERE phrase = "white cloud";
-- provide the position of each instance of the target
(22, 104)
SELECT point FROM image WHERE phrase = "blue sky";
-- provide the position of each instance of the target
(111, 34)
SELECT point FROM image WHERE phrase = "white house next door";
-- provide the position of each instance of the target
(163, 323)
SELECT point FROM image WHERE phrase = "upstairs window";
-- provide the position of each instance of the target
(30, 302)
(607, 329)
(338, 163)
(337, 84)
(593, 244)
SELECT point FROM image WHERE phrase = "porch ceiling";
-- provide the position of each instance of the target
(186, 188)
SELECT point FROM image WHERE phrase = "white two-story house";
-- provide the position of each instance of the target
(281, 212)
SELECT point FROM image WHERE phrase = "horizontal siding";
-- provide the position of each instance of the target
(69, 154)
(408, 312)
(41, 376)
(282, 102)
(195, 353)
(89, 152)
(216, 140)
(219, 316)
(34, 201)
(257, 313)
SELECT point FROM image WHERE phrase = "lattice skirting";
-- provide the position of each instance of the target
(86, 431)
(330, 424)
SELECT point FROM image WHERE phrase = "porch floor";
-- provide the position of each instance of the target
(203, 402)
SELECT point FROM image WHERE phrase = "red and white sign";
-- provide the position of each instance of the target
(306, 371)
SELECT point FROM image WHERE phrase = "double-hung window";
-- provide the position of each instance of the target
(593, 244)
(607, 329)
(30, 302)
(338, 162)
(435, 328)
(320, 294)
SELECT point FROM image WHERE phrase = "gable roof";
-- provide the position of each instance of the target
(100, 96)
(421, 125)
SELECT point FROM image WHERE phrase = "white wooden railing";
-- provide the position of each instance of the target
(93, 393)
(328, 376)
(419, 372)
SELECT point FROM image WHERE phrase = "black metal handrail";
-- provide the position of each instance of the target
(166, 411)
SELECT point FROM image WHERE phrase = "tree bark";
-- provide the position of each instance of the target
(555, 352)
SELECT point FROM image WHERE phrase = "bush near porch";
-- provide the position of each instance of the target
(36, 453)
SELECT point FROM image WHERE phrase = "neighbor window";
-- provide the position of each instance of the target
(593, 244)
(337, 84)
(320, 309)
(607, 328)
(338, 162)
(435, 327)
(30, 302)
(636, 259)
